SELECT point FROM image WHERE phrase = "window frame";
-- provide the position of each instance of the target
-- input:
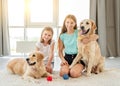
(30, 24)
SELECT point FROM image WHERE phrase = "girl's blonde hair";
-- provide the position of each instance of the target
(47, 29)
(64, 29)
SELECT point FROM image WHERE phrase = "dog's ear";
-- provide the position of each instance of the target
(40, 56)
(93, 25)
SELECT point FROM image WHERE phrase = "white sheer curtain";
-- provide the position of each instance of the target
(4, 32)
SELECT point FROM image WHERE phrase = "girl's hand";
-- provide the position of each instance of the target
(85, 40)
(49, 68)
(64, 62)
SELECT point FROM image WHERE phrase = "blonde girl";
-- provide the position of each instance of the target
(46, 46)
(67, 47)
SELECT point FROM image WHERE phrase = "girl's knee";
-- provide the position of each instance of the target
(75, 74)
(63, 71)
(76, 71)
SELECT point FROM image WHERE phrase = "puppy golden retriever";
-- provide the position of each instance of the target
(90, 52)
(31, 68)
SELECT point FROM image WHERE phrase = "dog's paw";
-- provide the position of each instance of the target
(36, 81)
(88, 74)
(102, 70)
(97, 72)
(70, 66)
(28, 78)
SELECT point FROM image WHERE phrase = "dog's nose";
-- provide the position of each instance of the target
(27, 59)
(82, 27)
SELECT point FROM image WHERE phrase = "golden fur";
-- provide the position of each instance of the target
(89, 53)
(32, 68)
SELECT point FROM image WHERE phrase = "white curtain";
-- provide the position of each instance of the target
(4, 32)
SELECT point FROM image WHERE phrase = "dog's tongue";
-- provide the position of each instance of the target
(83, 31)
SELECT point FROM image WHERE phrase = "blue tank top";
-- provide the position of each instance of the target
(70, 42)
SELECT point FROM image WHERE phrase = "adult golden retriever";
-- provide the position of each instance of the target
(90, 52)
(30, 68)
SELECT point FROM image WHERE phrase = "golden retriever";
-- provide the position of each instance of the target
(30, 68)
(90, 52)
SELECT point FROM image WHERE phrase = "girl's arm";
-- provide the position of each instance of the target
(51, 54)
(37, 47)
(60, 52)
(50, 58)
(93, 37)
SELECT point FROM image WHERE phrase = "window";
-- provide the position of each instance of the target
(40, 13)
(27, 18)
(16, 12)
(37, 13)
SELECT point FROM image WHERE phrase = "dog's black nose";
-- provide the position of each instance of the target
(27, 59)
(82, 27)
